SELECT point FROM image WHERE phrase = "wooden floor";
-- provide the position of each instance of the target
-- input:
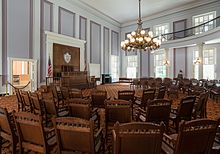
(10, 102)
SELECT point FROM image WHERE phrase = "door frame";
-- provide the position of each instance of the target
(10, 70)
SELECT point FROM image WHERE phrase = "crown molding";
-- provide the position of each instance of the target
(171, 11)
(94, 11)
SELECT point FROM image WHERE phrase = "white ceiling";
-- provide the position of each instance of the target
(125, 11)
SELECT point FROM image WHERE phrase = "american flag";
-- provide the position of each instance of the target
(49, 69)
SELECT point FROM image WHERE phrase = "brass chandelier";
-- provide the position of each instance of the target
(140, 39)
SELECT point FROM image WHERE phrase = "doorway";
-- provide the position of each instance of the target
(22, 74)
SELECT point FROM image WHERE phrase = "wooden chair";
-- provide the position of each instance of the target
(137, 137)
(161, 92)
(183, 112)
(194, 137)
(75, 93)
(37, 106)
(77, 135)
(200, 106)
(173, 91)
(127, 95)
(185, 84)
(156, 111)
(143, 83)
(81, 108)
(167, 82)
(151, 83)
(19, 99)
(51, 109)
(158, 82)
(135, 83)
(147, 95)
(65, 93)
(116, 110)
(57, 96)
(27, 106)
(7, 130)
(32, 135)
(98, 98)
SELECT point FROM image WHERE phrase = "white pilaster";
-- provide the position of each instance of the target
(55, 17)
(36, 34)
(1, 39)
(88, 42)
(200, 48)
(102, 52)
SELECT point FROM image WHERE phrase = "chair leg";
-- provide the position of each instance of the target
(0, 144)
(177, 126)
(13, 148)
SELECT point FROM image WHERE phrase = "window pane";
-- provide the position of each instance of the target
(202, 18)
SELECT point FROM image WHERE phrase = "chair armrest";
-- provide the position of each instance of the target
(137, 98)
(95, 110)
(174, 110)
(86, 97)
(98, 135)
(141, 114)
(168, 144)
(50, 133)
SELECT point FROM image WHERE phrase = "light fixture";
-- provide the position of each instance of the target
(166, 63)
(197, 61)
(140, 39)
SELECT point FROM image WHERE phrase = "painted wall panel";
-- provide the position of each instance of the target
(18, 31)
(66, 22)
(106, 50)
(180, 61)
(47, 15)
(144, 67)
(95, 43)
(178, 26)
(115, 43)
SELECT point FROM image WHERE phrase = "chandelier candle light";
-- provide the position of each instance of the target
(139, 39)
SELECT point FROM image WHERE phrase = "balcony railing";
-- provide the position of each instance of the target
(207, 26)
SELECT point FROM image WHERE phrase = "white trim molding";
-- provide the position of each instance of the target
(64, 40)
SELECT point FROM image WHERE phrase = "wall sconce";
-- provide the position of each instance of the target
(197, 61)
(166, 63)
